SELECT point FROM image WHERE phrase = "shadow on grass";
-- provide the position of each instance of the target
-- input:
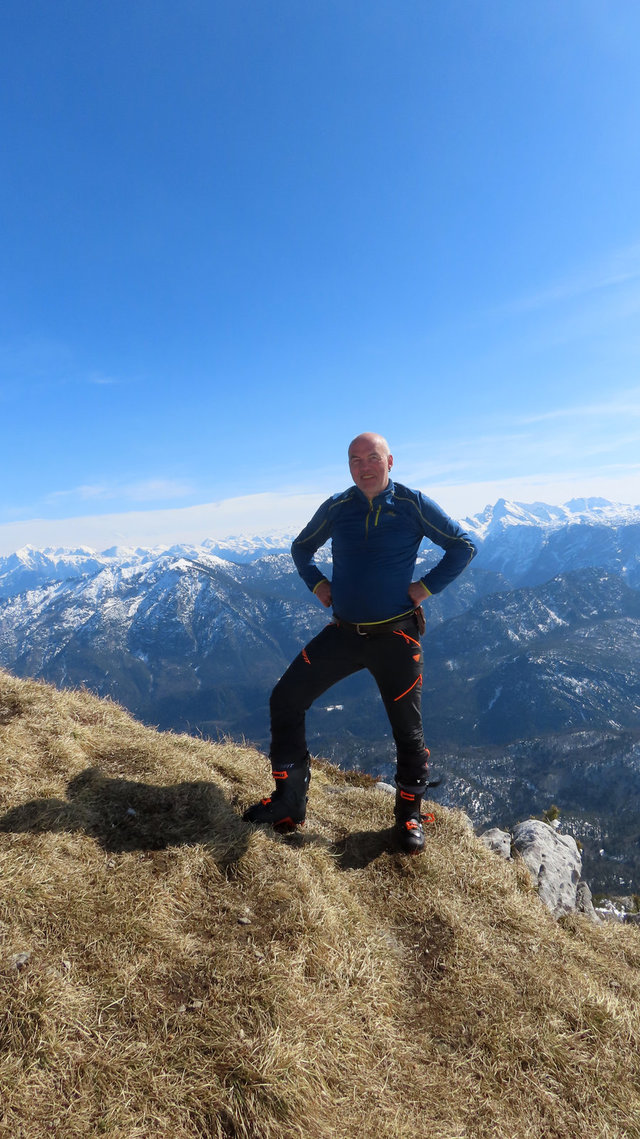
(354, 851)
(123, 815)
(357, 850)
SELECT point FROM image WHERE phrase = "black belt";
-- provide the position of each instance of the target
(376, 628)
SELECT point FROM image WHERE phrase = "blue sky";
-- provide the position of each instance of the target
(235, 234)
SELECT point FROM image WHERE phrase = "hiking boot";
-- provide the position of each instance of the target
(286, 808)
(408, 826)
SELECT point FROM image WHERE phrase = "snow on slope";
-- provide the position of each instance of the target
(525, 542)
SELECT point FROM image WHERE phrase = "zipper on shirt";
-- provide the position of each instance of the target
(375, 523)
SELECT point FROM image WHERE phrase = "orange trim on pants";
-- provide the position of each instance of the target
(418, 681)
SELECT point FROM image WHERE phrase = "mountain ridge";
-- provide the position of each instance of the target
(517, 653)
(248, 547)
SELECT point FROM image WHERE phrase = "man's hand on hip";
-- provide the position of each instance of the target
(323, 593)
(418, 593)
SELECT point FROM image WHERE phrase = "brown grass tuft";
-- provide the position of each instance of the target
(168, 971)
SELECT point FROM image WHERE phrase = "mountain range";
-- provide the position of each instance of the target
(532, 678)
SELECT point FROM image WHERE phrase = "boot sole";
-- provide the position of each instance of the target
(284, 826)
(414, 850)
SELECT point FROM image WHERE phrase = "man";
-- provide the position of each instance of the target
(376, 527)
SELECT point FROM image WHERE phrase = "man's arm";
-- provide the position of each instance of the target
(458, 548)
(314, 535)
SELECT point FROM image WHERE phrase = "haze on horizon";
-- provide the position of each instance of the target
(236, 237)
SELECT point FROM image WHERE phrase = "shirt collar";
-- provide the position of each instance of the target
(385, 495)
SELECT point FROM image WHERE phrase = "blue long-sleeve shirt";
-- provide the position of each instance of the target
(375, 544)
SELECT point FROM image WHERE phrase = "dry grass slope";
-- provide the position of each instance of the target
(186, 975)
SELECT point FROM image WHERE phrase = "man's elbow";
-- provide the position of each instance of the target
(469, 546)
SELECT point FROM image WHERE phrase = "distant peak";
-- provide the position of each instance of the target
(578, 505)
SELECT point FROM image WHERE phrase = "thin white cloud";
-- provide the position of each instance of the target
(47, 362)
(100, 380)
(84, 493)
(568, 452)
(156, 490)
(619, 269)
(465, 499)
(287, 514)
(580, 444)
(252, 515)
(626, 406)
(146, 490)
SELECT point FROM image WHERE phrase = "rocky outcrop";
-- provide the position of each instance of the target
(498, 841)
(584, 902)
(554, 862)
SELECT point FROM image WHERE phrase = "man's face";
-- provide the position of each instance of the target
(370, 463)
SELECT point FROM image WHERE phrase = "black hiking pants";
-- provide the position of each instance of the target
(393, 658)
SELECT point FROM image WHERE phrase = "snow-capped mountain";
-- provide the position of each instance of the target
(534, 646)
(524, 543)
(530, 544)
(588, 511)
(29, 568)
(247, 548)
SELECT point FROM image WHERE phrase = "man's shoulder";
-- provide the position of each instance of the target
(417, 503)
(406, 493)
(329, 510)
(342, 497)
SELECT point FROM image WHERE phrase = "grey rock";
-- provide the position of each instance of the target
(584, 902)
(554, 863)
(498, 841)
(386, 787)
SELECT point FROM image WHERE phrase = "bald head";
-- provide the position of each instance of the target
(370, 462)
(370, 439)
